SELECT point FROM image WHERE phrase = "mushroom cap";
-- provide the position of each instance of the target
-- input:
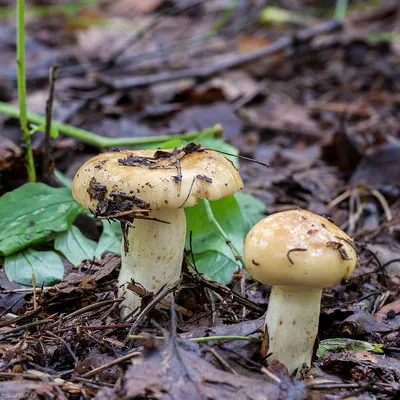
(153, 179)
(299, 248)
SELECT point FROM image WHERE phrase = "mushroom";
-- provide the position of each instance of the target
(298, 253)
(147, 190)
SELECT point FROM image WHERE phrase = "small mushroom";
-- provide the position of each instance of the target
(298, 253)
(147, 191)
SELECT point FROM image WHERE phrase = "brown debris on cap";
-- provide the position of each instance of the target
(299, 248)
(153, 179)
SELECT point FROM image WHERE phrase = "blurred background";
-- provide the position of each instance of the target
(309, 86)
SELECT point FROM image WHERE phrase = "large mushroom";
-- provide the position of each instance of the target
(147, 190)
(298, 253)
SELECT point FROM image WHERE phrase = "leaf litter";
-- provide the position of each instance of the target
(321, 109)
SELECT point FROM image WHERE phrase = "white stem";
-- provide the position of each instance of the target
(292, 323)
(155, 253)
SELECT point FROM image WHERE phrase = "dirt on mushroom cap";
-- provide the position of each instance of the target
(300, 248)
(157, 179)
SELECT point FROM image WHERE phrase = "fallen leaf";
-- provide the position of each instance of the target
(178, 372)
(379, 168)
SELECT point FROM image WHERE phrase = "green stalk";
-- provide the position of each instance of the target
(101, 142)
(341, 9)
(212, 219)
(26, 136)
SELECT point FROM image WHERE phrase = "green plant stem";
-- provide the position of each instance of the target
(341, 9)
(223, 20)
(203, 339)
(212, 219)
(101, 142)
(26, 136)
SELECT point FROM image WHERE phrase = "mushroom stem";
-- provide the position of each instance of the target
(154, 254)
(292, 324)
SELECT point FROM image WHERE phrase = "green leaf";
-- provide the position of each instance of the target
(31, 213)
(216, 266)
(110, 239)
(75, 246)
(46, 266)
(251, 209)
(211, 252)
(339, 345)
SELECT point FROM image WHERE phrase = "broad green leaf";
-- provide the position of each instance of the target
(339, 345)
(75, 246)
(31, 213)
(46, 266)
(110, 239)
(216, 266)
(251, 209)
(207, 238)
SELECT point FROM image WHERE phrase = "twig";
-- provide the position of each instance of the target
(111, 364)
(142, 292)
(332, 386)
(67, 346)
(167, 290)
(26, 135)
(83, 310)
(223, 290)
(47, 146)
(26, 326)
(203, 339)
(102, 142)
(21, 317)
(26, 290)
(222, 361)
(207, 71)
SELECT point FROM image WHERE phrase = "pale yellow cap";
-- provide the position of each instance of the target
(299, 248)
(151, 179)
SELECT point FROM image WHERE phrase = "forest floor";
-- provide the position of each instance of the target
(316, 99)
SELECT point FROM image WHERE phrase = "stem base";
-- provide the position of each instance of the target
(292, 325)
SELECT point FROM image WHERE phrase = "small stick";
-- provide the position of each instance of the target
(124, 213)
(204, 339)
(83, 310)
(164, 292)
(47, 146)
(270, 375)
(111, 364)
(222, 361)
(26, 326)
(67, 346)
(21, 317)
(142, 292)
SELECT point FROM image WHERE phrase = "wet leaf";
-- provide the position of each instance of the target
(340, 345)
(177, 371)
(251, 208)
(31, 213)
(212, 254)
(46, 266)
(75, 246)
(110, 239)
